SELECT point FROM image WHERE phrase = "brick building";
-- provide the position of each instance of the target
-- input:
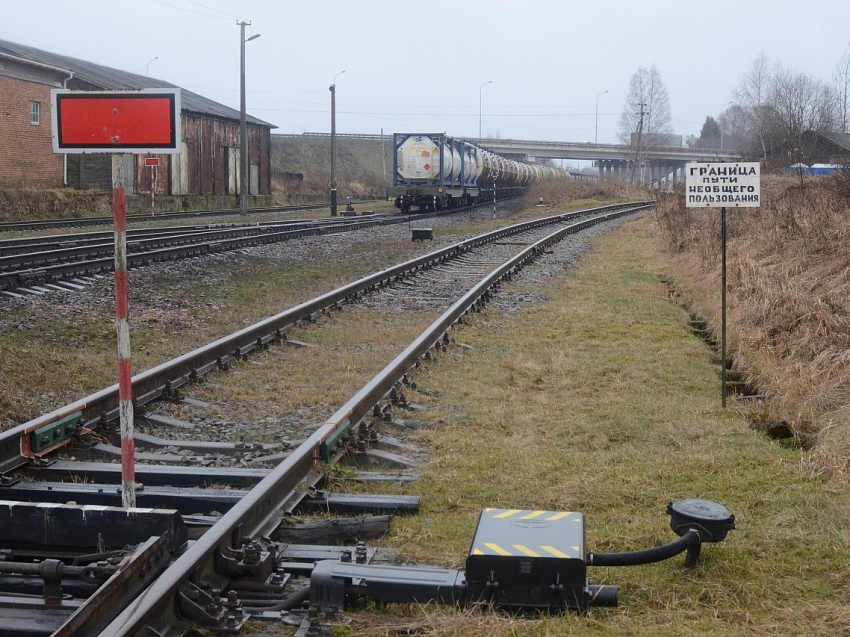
(26, 154)
(204, 174)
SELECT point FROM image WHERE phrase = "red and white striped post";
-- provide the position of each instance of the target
(115, 122)
(122, 326)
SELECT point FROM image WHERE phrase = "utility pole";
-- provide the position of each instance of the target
(332, 89)
(384, 162)
(243, 126)
(640, 135)
(479, 106)
(333, 136)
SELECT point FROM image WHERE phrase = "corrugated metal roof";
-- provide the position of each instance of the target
(107, 78)
(841, 140)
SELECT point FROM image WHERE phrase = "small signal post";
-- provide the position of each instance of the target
(119, 123)
(152, 163)
(718, 185)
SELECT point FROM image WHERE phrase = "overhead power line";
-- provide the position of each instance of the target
(208, 15)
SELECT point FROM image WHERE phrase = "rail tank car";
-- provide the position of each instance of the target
(433, 172)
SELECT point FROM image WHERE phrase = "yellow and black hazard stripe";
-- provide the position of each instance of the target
(567, 526)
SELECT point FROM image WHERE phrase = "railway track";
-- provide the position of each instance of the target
(85, 222)
(45, 264)
(59, 263)
(232, 566)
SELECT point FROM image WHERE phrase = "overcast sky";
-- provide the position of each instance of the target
(419, 66)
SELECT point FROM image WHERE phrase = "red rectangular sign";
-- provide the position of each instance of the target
(116, 122)
(151, 161)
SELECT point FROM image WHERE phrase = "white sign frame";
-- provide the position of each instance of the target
(173, 147)
(718, 185)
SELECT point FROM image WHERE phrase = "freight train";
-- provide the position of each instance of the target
(434, 172)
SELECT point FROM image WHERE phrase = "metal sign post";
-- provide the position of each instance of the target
(716, 186)
(122, 327)
(723, 388)
(115, 123)
(152, 162)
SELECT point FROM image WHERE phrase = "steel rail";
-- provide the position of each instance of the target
(217, 242)
(34, 243)
(33, 259)
(19, 226)
(18, 445)
(11, 278)
(160, 602)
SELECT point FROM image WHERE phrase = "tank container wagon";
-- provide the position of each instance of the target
(432, 171)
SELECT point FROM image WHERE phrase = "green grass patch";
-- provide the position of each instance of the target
(601, 400)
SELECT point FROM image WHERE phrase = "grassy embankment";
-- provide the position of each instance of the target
(358, 168)
(789, 304)
(602, 400)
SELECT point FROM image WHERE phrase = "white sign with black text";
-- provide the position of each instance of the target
(734, 185)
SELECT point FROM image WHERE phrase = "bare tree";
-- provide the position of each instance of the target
(648, 95)
(841, 85)
(788, 109)
(752, 94)
(799, 106)
(733, 127)
(645, 121)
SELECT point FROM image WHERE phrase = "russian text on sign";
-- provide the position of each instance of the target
(718, 185)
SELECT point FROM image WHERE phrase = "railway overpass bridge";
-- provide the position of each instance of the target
(658, 164)
(614, 161)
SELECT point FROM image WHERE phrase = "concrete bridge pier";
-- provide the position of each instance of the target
(666, 175)
(612, 169)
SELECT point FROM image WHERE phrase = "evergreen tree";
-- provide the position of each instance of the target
(710, 129)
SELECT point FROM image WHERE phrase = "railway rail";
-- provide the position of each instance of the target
(39, 270)
(83, 222)
(209, 583)
(39, 265)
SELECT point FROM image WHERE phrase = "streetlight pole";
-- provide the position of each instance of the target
(332, 89)
(148, 68)
(243, 126)
(720, 123)
(596, 129)
(479, 105)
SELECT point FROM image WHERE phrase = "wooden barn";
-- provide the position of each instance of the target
(204, 175)
(812, 148)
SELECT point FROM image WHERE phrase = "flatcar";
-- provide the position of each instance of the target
(432, 171)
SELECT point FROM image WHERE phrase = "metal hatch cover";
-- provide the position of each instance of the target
(528, 559)
(525, 533)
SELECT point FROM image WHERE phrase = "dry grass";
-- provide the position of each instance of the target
(44, 365)
(789, 301)
(610, 406)
(573, 194)
(341, 355)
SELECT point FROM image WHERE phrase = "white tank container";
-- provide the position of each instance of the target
(419, 158)
(456, 166)
(513, 172)
(479, 159)
(471, 167)
(448, 163)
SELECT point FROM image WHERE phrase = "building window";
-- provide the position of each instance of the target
(35, 113)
